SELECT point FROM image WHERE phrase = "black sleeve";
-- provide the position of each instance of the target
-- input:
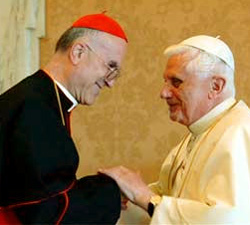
(40, 157)
(94, 200)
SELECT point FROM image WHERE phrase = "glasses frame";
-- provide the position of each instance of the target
(113, 72)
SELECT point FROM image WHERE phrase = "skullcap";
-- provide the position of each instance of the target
(211, 45)
(101, 22)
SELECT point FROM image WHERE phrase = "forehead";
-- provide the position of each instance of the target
(111, 48)
(177, 65)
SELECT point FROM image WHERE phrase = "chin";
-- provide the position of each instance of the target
(85, 100)
(178, 118)
(89, 102)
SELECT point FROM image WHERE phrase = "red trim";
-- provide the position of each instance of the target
(64, 193)
(8, 217)
(66, 206)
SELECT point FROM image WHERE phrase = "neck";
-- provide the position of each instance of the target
(57, 70)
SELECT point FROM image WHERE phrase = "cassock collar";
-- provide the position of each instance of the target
(68, 95)
(207, 120)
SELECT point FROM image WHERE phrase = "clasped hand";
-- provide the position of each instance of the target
(131, 185)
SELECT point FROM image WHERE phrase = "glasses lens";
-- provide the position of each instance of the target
(112, 75)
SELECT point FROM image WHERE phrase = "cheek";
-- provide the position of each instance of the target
(194, 102)
(186, 102)
(181, 96)
(94, 72)
(92, 90)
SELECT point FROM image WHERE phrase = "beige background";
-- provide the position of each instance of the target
(129, 124)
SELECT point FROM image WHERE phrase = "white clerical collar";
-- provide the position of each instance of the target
(207, 120)
(68, 95)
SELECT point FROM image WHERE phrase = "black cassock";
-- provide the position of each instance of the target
(38, 161)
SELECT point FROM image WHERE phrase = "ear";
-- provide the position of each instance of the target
(217, 85)
(77, 52)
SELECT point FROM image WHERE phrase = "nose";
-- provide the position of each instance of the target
(166, 92)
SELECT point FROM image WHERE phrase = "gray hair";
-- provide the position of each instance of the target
(206, 64)
(70, 35)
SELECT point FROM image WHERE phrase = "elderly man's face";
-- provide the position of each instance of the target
(185, 91)
(99, 67)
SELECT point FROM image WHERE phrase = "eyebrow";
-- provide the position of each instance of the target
(168, 76)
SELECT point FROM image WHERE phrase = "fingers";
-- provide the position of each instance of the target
(125, 179)
(115, 172)
(109, 172)
(130, 183)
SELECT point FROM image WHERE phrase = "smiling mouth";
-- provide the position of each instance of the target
(172, 103)
(98, 84)
(173, 107)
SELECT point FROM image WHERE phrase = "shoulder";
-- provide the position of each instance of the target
(35, 91)
(237, 117)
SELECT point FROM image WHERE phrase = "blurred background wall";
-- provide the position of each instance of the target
(22, 25)
(129, 123)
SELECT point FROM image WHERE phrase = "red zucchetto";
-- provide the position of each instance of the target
(101, 22)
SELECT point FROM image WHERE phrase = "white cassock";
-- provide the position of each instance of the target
(206, 178)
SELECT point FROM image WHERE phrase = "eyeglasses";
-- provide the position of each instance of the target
(113, 72)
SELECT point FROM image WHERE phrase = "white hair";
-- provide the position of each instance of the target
(205, 64)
